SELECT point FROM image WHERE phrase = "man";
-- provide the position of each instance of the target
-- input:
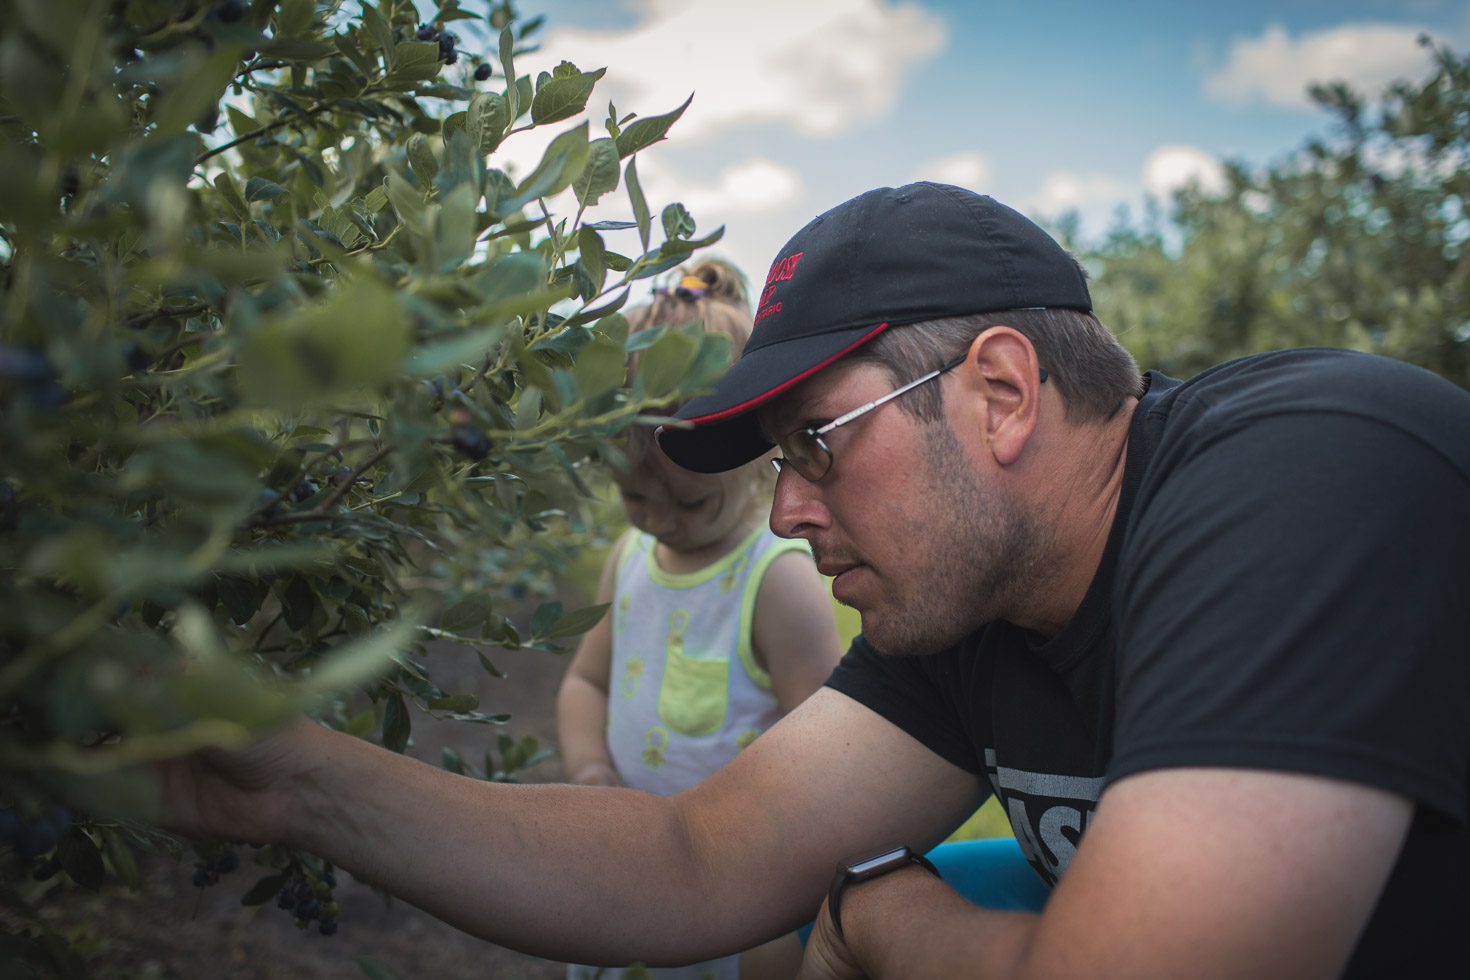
(1205, 640)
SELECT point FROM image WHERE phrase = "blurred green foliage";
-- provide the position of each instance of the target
(293, 377)
(1359, 241)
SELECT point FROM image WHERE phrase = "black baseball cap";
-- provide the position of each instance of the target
(892, 256)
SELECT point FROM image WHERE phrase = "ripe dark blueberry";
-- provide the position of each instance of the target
(50, 397)
(230, 11)
(452, 57)
(482, 73)
(9, 819)
(427, 33)
(304, 489)
(134, 356)
(227, 862)
(57, 817)
(201, 876)
(446, 42)
(471, 442)
(34, 839)
(285, 900)
(26, 365)
(308, 909)
(270, 500)
(302, 890)
(340, 476)
(328, 927)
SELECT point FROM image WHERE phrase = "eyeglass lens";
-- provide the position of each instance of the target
(804, 450)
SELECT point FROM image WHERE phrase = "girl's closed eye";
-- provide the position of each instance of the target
(691, 505)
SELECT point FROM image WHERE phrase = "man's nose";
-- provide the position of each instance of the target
(797, 510)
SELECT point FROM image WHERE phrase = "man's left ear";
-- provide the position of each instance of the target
(1007, 376)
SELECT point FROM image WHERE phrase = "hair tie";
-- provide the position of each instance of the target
(689, 288)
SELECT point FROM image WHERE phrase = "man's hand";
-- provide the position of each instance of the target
(827, 956)
(241, 795)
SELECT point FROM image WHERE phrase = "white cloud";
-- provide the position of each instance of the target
(751, 187)
(1278, 69)
(818, 66)
(1170, 168)
(1063, 191)
(971, 170)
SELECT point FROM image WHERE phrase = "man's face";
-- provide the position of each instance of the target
(910, 520)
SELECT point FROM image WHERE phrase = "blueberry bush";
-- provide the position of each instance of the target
(295, 378)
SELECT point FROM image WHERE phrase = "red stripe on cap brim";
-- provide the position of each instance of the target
(761, 399)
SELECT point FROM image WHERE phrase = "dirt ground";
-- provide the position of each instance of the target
(170, 930)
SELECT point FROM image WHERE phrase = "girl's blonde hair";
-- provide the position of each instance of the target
(713, 293)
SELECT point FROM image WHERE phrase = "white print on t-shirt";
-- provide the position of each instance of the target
(1048, 812)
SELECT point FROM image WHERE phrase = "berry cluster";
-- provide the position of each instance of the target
(34, 840)
(309, 899)
(448, 53)
(207, 873)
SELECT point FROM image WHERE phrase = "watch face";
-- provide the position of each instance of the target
(899, 855)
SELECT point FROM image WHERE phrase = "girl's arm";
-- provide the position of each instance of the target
(581, 702)
(794, 630)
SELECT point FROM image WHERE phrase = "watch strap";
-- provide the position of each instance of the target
(866, 869)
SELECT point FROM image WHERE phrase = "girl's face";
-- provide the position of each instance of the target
(686, 512)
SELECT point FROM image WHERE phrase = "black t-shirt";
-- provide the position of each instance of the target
(1286, 586)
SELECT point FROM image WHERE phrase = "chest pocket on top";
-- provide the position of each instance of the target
(694, 695)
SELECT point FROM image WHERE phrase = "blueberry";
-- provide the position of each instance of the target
(304, 490)
(270, 500)
(446, 43)
(308, 909)
(471, 442)
(9, 819)
(57, 817)
(227, 862)
(230, 11)
(482, 73)
(302, 891)
(285, 900)
(327, 927)
(34, 839)
(427, 33)
(452, 57)
(25, 365)
(134, 356)
(50, 397)
(46, 870)
(201, 876)
(340, 476)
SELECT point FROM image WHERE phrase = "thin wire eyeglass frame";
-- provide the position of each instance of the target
(814, 436)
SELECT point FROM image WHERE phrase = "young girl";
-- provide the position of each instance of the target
(717, 627)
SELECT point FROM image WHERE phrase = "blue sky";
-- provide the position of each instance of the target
(1048, 106)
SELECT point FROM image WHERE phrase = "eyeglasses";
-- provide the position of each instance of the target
(809, 454)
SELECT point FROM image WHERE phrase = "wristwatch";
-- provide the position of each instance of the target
(867, 869)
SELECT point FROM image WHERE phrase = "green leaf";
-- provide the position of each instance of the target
(507, 65)
(599, 368)
(645, 132)
(194, 94)
(467, 615)
(396, 723)
(355, 339)
(663, 366)
(81, 859)
(593, 256)
(417, 61)
(298, 49)
(120, 856)
(576, 623)
(354, 664)
(490, 668)
(600, 175)
(454, 702)
(260, 189)
(486, 119)
(381, 33)
(640, 206)
(225, 184)
(375, 970)
(421, 160)
(677, 222)
(545, 615)
(560, 165)
(564, 95)
(295, 17)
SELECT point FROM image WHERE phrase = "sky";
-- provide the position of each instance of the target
(1049, 107)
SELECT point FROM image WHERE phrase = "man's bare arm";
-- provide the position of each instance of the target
(594, 874)
(1205, 873)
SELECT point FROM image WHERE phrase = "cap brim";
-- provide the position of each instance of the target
(718, 431)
